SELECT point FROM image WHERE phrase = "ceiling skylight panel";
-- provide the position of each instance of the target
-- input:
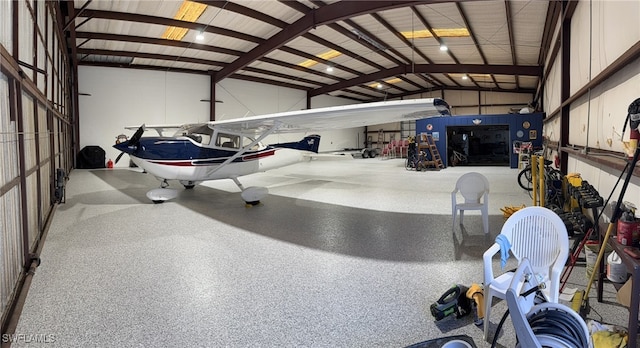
(189, 11)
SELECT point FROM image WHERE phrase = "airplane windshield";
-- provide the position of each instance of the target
(200, 133)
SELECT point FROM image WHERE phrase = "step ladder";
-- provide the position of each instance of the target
(435, 155)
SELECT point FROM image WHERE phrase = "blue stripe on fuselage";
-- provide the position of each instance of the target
(172, 149)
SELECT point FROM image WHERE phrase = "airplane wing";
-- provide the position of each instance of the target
(337, 117)
(163, 128)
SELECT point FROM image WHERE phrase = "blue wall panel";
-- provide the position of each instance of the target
(437, 127)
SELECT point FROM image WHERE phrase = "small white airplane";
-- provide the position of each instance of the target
(232, 148)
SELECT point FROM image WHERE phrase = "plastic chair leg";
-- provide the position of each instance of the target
(488, 297)
(453, 223)
(485, 221)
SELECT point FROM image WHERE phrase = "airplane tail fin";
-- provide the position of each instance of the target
(308, 143)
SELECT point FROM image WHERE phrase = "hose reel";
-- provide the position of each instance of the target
(546, 324)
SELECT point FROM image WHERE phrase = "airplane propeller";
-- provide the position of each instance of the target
(134, 141)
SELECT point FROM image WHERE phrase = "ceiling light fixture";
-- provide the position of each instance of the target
(369, 40)
(329, 68)
(200, 36)
(444, 48)
(379, 86)
(464, 77)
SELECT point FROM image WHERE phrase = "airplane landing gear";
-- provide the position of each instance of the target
(251, 195)
(188, 184)
(162, 194)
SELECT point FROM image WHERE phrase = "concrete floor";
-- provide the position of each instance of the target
(343, 253)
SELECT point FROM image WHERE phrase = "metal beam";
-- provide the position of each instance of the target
(132, 17)
(434, 68)
(321, 16)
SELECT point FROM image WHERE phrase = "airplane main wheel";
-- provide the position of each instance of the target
(158, 201)
(251, 204)
(189, 187)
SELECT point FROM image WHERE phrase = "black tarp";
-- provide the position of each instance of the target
(91, 157)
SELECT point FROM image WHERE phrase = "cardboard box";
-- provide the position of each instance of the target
(624, 294)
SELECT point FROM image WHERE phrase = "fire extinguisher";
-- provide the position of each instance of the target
(633, 117)
(110, 163)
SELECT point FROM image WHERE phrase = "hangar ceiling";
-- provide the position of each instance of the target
(361, 50)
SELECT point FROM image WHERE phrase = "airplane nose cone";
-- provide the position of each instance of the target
(123, 146)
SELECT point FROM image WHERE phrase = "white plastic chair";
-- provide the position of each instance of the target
(535, 233)
(474, 188)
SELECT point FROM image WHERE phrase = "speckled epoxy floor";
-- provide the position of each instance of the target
(347, 253)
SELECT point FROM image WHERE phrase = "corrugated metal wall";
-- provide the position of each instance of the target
(35, 133)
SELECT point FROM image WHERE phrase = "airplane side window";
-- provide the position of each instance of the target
(226, 140)
(246, 141)
(196, 137)
(206, 139)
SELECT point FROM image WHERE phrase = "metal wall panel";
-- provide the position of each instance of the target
(10, 223)
(35, 136)
(32, 209)
(29, 131)
(6, 38)
(11, 237)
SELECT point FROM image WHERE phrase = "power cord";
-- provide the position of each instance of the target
(539, 296)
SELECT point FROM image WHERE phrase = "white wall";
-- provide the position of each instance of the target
(241, 98)
(130, 97)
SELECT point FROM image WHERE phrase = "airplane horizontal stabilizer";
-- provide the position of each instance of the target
(309, 143)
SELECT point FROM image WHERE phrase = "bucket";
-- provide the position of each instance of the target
(627, 232)
(591, 250)
(456, 344)
(616, 270)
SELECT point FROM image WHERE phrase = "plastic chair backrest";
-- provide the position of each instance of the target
(538, 234)
(472, 186)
